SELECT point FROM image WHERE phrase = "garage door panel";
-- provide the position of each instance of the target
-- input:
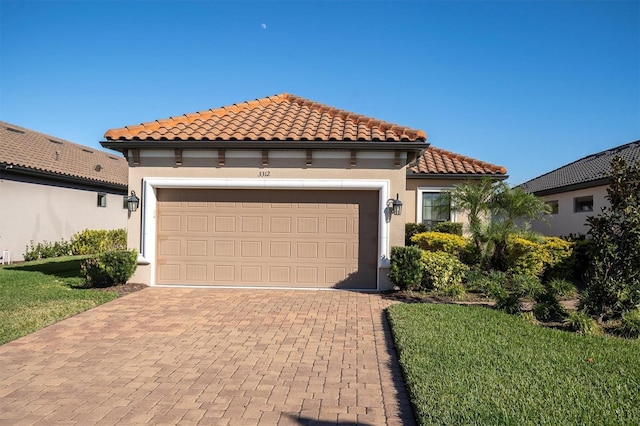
(268, 237)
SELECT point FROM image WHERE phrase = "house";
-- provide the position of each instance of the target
(280, 191)
(577, 190)
(51, 188)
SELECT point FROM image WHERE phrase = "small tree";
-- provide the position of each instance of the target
(613, 281)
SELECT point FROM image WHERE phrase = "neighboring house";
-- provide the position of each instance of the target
(577, 190)
(51, 188)
(280, 191)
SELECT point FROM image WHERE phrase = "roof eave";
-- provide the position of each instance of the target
(122, 145)
(472, 176)
(8, 169)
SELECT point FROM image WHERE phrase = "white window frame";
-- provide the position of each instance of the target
(431, 189)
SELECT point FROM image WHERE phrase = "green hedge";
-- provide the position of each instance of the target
(109, 268)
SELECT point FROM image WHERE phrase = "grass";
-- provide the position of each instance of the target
(473, 365)
(36, 294)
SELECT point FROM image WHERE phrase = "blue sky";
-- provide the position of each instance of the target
(529, 85)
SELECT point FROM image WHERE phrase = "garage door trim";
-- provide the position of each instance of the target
(149, 205)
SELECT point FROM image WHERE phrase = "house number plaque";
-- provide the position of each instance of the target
(264, 173)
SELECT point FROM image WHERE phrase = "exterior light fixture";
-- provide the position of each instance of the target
(395, 206)
(132, 202)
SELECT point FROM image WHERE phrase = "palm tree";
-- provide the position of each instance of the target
(495, 210)
(474, 198)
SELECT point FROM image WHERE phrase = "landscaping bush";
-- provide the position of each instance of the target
(562, 288)
(411, 229)
(454, 228)
(581, 257)
(443, 272)
(548, 307)
(526, 286)
(560, 258)
(92, 241)
(47, 249)
(109, 268)
(526, 257)
(582, 323)
(630, 324)
(406, 267)
(439, 241)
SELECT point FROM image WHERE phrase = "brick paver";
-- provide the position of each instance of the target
(210, 356)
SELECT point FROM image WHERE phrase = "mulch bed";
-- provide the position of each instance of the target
(124, 289)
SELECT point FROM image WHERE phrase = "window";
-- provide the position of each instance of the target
(553, 206)
(102, 200)
(583, 204)
(436, 208)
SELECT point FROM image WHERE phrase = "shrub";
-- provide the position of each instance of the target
(526, 257)
(439, 241)
(411, 229)
(508, 302)
(442, 271)
(496, 285)
(548, 307)
(524, 285)
(471, 255)
(92, 241)
(562, 288)
(109, 268)
(47, 249)
(476, 280)
(630, 324)
(582, 323)
(454, 228)
(406, 267)
(560, 260)
(582, 254)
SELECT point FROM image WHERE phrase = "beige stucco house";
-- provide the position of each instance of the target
(577, 190)
(280, 191)
(51, 188)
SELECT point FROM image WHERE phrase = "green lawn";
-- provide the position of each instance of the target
(473, 365)
(34, 295)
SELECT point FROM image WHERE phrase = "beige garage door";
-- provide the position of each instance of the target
(267, 238)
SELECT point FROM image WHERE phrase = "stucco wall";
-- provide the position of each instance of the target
(567, 221)
(35, 212)
(248, 165)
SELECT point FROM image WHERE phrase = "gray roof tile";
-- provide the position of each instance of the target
(590, 169)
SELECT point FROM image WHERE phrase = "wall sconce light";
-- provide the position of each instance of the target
(395, 206)
(132, 202)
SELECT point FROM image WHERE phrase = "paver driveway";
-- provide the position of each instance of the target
(210, 356)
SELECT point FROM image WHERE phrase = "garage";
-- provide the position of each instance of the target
(267, 237)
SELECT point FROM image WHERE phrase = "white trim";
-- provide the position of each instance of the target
(149, 205)
(421, 190)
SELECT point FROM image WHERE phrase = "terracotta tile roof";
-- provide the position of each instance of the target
(282, 117)
(585, 172)
(21, 147)
(436, 161)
